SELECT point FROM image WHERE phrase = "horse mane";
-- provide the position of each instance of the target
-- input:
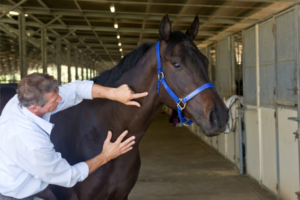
(129, 61)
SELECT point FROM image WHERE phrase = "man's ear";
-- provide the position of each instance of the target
(33, 108)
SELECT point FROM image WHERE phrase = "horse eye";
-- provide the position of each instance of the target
(176, 65)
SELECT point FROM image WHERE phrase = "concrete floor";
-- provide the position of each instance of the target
(177, 165)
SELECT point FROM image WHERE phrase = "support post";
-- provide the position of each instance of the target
(69, 62)
(44, 49)
(76, 64)
(87, 69)
(91, 69)
(58, 61)
(81, 63)
(22, 45)
(15, 69)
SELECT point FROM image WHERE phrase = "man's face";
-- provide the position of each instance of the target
(51, 105)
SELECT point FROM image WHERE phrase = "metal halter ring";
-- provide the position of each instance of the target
(161, 75)
(178, 104)
(185, 124)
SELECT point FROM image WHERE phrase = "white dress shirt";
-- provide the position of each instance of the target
(28, 161)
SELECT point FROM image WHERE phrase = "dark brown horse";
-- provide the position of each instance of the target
(80, 131)
(7, 91)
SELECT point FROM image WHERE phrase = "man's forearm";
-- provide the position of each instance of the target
(96, 162)
(99, 91)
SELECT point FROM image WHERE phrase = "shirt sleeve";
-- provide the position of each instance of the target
(73, 93)
(47, 165)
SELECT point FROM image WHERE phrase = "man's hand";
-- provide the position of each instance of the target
(124, 95)
(113, 150)
(110, 151)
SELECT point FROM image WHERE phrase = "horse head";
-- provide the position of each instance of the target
(185, 69)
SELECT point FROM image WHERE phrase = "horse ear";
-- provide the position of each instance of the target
(193, 30)
(165, 28)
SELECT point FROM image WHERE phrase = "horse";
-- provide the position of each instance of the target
(80, 131)
(7, 91)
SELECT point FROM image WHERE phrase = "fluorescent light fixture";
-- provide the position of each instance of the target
(122, 56)
(28, 34)
(13, 13)
(120, 49)
(116, 25)
(26, 15)
(119, 44)
(118, 36)
(112, 8)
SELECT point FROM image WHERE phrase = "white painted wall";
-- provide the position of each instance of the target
(288, 154)
(269, 173)
(252, 142)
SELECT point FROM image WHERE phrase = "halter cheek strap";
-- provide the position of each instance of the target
(181, 103)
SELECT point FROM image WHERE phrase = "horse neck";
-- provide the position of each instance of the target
(140, 78)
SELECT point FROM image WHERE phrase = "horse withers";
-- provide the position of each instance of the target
(80, 131)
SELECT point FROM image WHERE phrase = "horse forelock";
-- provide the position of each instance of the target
(188, 48)
(128, 62)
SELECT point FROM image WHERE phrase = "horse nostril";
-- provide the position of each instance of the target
(213, 117)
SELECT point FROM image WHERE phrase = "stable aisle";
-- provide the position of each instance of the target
(177, 165)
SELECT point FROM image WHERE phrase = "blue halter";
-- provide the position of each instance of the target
(179, 101)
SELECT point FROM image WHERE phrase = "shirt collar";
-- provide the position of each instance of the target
(43, 123)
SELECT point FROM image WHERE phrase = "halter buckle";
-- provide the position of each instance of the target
(161, 75)
(185, 124)
(178, 104)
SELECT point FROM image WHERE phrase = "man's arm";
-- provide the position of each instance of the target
(110, 151)
(47, 165)
(122, 94)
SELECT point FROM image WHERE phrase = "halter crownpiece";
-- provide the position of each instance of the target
(181, 102)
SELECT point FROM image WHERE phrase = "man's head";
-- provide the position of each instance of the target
(39, 93)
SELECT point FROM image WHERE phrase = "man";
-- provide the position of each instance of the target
(28, 161)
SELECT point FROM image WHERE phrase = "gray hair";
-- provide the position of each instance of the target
(32, 89)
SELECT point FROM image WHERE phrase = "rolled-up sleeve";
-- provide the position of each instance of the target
(47, 165)
(73, 93)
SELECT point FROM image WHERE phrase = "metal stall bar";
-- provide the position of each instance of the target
(276, 118)
(258, 103)
(297, 119)
(81, 63)
(76, 63)
(297, 20)
(22, 45)
(91, 68)
(44, 49)
(69, 62)
(87, 63)
(58, 59)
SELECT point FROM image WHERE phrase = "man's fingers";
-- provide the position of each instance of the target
(128, 145)
(120, 138)
(133, 103)
(129, 142)
(109, 135)
(126, 150)
(139, 95)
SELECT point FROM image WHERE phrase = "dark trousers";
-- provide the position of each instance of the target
(46, 194)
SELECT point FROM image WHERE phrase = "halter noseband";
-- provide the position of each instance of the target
(179, 101)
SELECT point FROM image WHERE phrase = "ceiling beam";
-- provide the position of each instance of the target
(119, 15)
(12, 8)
